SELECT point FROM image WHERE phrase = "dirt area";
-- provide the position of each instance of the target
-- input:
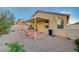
(45, 44)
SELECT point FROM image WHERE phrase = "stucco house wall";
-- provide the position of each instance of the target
(41, 27)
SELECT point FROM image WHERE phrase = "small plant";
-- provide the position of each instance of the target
(77, 45)
(15, 46)
(77, 48)
(77, 41)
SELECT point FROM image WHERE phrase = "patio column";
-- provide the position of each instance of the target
(35, 28)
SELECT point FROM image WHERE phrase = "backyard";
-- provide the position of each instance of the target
(45, 44)
(33, 39)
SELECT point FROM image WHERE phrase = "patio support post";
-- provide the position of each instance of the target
(35, 28)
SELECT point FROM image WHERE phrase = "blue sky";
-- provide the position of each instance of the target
(27, 12)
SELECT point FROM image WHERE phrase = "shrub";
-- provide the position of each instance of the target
(15, 46)
(77, 45)
(77, 48)
(77, 41)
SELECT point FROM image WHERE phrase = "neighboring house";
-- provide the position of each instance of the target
(73, 30)
(74, 26)
(21, 22)
(57, 22)
(20, 26)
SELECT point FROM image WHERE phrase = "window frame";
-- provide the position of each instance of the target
(61, 26)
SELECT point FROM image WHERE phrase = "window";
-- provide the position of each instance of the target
(60, 23)
(46, 24)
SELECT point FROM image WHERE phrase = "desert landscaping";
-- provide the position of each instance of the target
(45, 44)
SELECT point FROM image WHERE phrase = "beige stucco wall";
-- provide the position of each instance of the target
(41, 26)
(53, 23)
(77, 26)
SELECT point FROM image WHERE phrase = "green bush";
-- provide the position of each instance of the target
(77, 41)
(77, 48)
(15, 46)
(77, 45)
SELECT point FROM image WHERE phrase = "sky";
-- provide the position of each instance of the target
(26, 12)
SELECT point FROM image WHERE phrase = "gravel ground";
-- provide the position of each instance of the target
(46, 44)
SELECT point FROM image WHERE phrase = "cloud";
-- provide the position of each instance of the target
(73, 20)
(66, 12)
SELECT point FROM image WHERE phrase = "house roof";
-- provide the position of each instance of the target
(68, 15)
(20, 20)
(75, 23)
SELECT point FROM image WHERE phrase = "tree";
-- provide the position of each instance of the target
(6, 21)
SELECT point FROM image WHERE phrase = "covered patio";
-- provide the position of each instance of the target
(38, 23)
(36, 27)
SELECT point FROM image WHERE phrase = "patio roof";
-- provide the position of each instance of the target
(37, 19)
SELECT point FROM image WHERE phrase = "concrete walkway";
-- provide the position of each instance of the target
(46, 44)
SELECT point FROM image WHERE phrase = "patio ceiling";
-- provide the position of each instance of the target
(37, 19)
